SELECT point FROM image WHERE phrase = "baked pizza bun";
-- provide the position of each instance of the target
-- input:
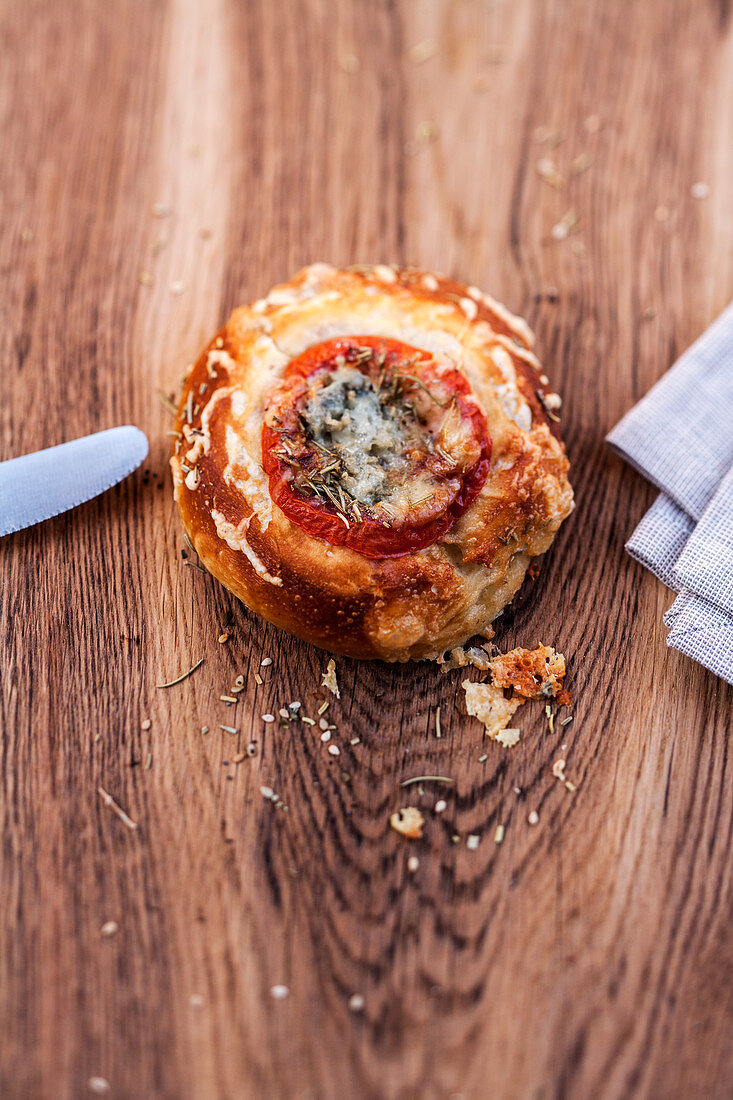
(369, 458)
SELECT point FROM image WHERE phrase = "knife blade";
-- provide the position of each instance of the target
(37, 486)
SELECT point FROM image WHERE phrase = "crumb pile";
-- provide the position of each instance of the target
(524, 674)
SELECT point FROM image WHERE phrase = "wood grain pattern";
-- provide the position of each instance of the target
(587, 956)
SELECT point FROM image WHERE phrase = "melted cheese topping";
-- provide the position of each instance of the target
(235, 537)
(377, 441)
(345, 415)
(247, 476)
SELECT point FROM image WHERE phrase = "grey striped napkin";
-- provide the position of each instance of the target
(680, 436)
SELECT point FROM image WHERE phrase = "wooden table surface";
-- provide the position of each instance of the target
(163, 161)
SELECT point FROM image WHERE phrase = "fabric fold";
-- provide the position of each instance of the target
(680, 437)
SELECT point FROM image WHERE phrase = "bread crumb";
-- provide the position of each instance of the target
(408, 822)
(532, 673)
(349, 63)
(460, 657)
(508, 737)
(328, 680)
(487, 703)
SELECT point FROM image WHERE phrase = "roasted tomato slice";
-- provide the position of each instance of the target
(372, 444)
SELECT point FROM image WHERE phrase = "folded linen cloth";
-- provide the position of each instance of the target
(680, 436)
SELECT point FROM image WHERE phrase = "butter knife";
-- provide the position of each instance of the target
(37, 486)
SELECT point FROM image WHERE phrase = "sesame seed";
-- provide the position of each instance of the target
(349, 63)
(533, 818)
(268, 717)
(267, 792)
(412, 864)
(425, 131)
(422, 51)
(109, 928)
(334, 750)
(196, 1000)
(355, 741)
(265, 662)
(326, 735)
(145, 724)
(356, 1002)
(279, 992)
(700, 190)
(323, 724)
(440, 806)
(581, 164)
(98, 1085)
(548, 171)
(472, 842)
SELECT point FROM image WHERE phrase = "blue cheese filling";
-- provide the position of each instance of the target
(371, 438)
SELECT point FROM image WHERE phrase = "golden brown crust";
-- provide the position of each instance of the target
(414, 606)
